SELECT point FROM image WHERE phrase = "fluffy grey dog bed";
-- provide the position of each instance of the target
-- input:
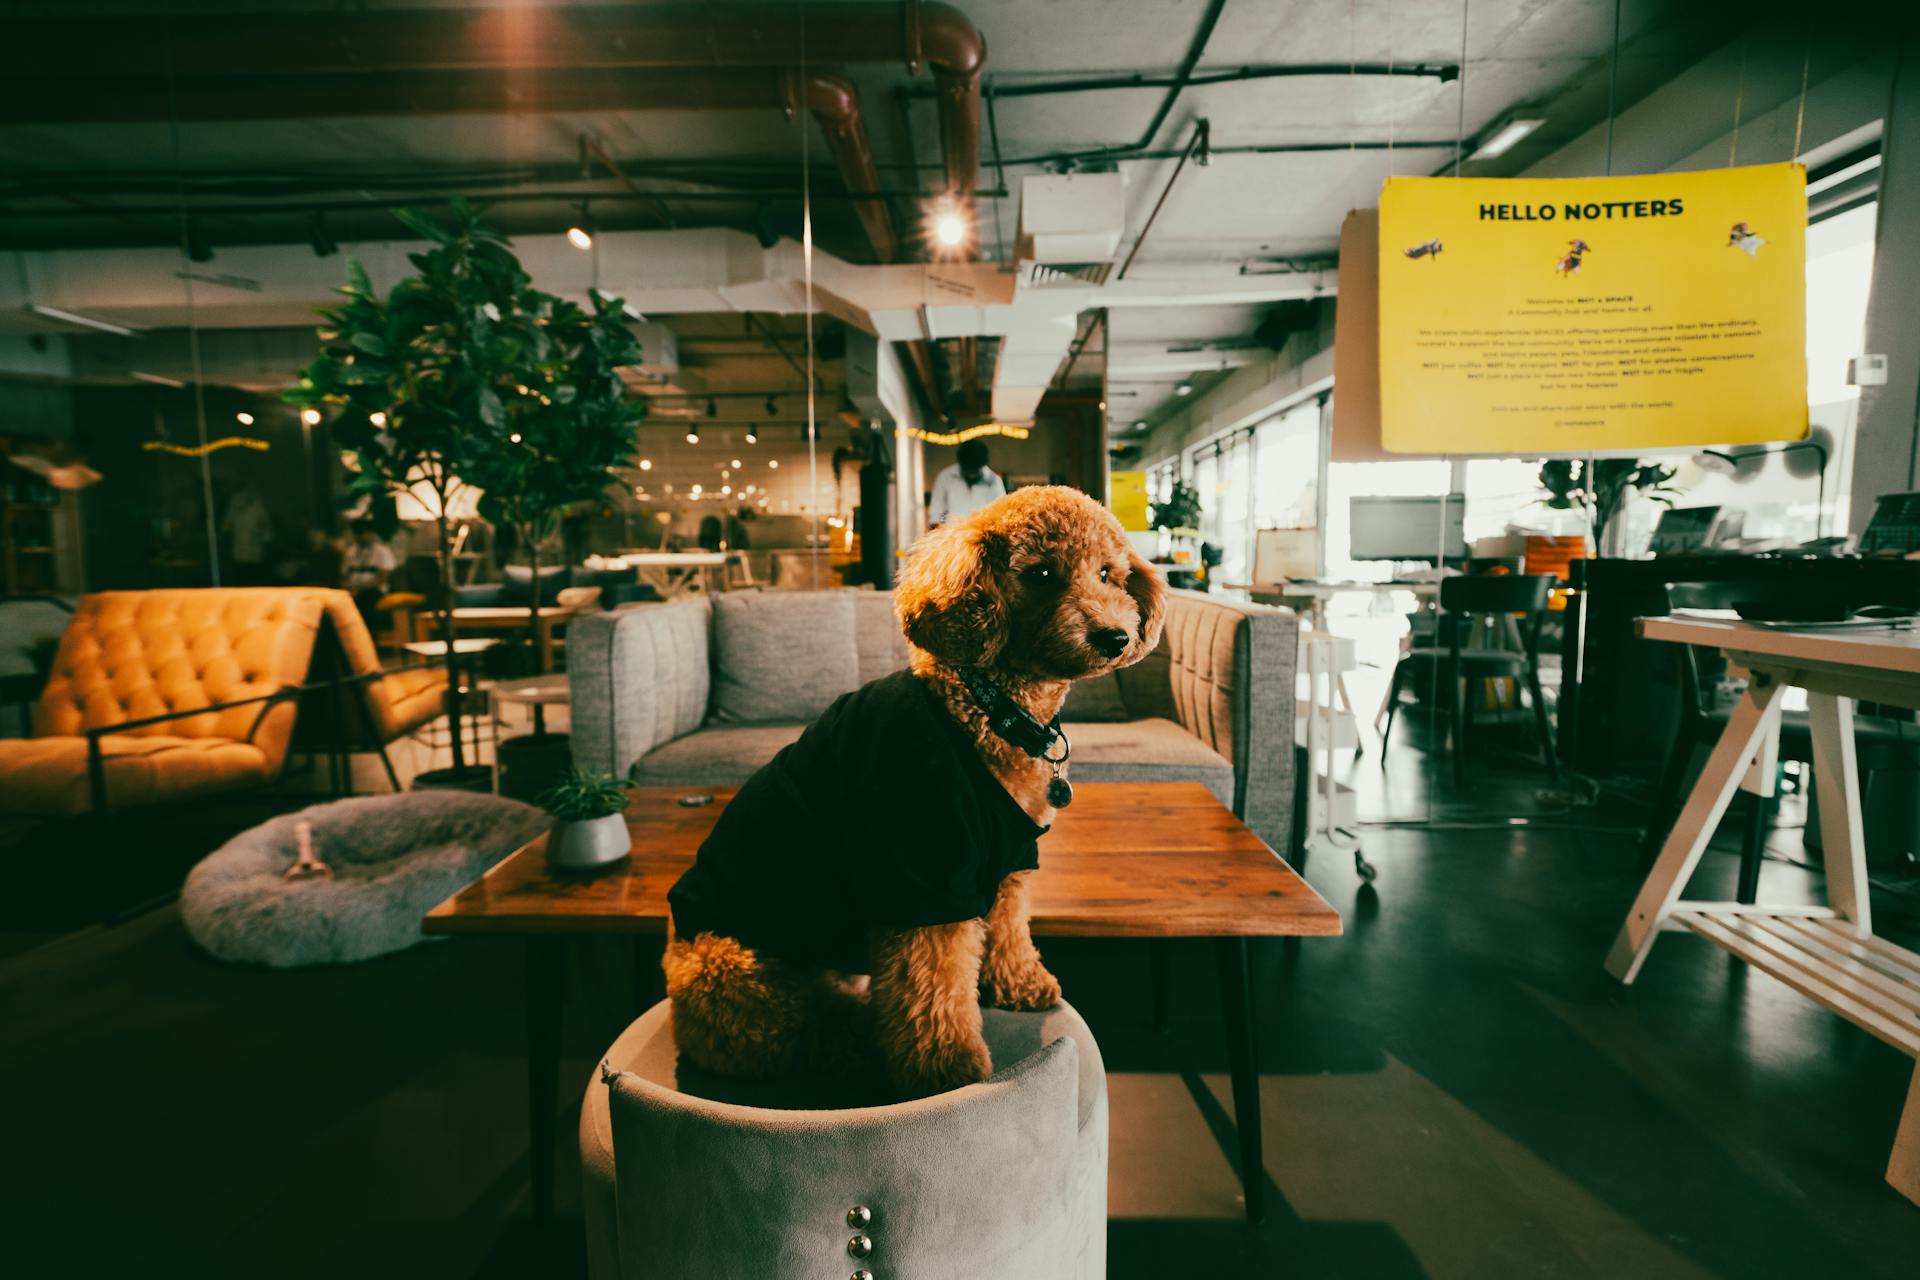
(393, 858)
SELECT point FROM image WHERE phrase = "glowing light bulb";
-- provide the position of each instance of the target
(646, 464)
(514, 438)
(578, 238)
(244, 419)
(735, 464)
(773, 464)
(753, 437)
(693, 435)
(377, 419)
(310, 416)
(949, 229)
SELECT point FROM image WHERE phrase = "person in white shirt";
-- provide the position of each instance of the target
(366, 565)
(965, 487)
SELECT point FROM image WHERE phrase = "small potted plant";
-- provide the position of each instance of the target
(589, 829)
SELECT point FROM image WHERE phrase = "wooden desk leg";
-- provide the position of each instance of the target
(545, 629)
(1243, 1055)
(1755, 716)
(546, 997)
(1836, 773)
(1903, 1166)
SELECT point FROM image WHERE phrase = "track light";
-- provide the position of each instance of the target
(735, 464)
(244, 419)
(713, 407)
(324, 245)
(693, 434)
(753, 435)
(773, 407)
(199, 248)
(646, 464)
(580, 234)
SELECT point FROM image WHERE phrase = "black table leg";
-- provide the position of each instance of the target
(546, 998)
(1236, 1000)
(1160, 951)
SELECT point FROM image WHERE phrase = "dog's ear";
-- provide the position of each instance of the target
(1149, 592)
(949, 599)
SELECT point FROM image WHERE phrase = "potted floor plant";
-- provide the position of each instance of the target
(589, 826)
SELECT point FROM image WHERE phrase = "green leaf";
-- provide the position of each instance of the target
(421, 225)
(492, 412)
(358, 282)
(371, 343)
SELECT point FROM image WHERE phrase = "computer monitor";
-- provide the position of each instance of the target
(1684, 529)
(1895, 527)
(1424, 528)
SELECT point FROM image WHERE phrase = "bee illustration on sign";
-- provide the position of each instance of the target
(1426, 249)
(1743, 237)
(1570, 262)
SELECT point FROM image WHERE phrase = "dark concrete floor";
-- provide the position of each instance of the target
(1454, 1088)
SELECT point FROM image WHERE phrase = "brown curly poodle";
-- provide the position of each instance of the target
(926, 882)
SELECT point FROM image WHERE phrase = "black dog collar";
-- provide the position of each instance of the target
(1014, 724)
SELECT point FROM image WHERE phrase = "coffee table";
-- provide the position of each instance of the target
(1127, 860)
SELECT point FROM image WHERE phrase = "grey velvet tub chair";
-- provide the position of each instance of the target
(700, 693)
(1007, 1178)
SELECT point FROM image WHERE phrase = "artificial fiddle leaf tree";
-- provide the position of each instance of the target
(421, 381)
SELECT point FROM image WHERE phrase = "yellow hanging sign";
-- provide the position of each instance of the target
(1570, 315)
(1127, 498)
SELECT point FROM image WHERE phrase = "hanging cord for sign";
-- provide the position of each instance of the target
(1393, 101)
(1800, 111)
(806, 263)
(193, 324)
(1739, 97)
(1460, 123)
(1613, 83)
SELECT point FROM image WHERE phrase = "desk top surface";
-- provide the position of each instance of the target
(1127, 859)
(674, 559)
(1880, 648)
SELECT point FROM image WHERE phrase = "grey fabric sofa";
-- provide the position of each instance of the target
(699, 1177)
(1213, 704)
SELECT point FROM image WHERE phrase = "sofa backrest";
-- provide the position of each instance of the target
(128, 655)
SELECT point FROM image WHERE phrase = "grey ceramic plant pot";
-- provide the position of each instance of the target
(577, 846)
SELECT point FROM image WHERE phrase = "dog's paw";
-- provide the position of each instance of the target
(947, 1066)
(1026, 986)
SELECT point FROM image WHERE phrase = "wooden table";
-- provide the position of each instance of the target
(1829, 953)
(1127, 860)
(505, 617)
(675, 573)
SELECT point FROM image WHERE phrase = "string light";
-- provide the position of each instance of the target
(1006, 429)
(377, 419)
(773, 464)
(735, 464)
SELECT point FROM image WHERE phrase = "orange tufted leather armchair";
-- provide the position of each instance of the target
(163, 696)
(391, 704)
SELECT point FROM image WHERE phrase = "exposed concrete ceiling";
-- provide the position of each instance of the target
(1249, 211)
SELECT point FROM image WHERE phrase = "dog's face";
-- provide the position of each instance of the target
(1043, 583)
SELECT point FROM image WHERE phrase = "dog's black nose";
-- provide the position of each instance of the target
(1109, 642)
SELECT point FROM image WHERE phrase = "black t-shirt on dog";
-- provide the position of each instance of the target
(881, 814)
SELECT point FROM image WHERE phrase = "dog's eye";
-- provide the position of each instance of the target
(1105, 573)
(1038, 573)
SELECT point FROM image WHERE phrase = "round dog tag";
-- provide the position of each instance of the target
(1059, 792)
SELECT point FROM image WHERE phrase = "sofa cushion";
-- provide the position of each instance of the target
(518, 581)
(780, 656)
(47, 777)
(1153, 750)
(1095, 701)
(721, 756)
(877, 636)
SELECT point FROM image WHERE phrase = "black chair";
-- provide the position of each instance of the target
(1707, 700)
(1464, 602)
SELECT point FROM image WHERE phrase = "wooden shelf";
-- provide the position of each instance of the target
(1868, 981)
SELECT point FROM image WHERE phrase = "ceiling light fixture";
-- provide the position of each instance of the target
(946, 224)
(735, 464)
(156, 379)
(198, 247)
(773, 407)
(244, 419)
(580, 234)
(773, 464)
(87, 322)
(514, 438)
(377, 418)
(646, 464)
(753, 435)
(311, 417)
(1183, 388)
(713, 407)
(324, 245)
(693, 435)
(1505, 137)
(1139, 423)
